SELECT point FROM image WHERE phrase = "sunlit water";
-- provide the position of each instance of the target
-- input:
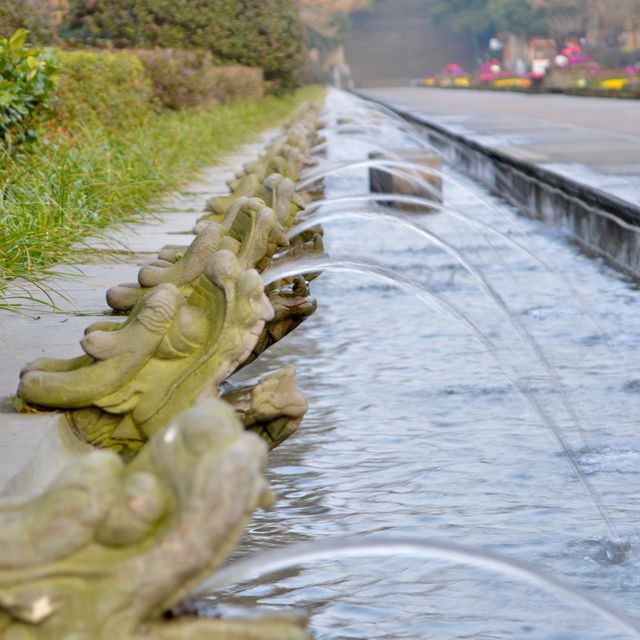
(414, 430)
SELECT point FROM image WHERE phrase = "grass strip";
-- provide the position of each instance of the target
(68, 188)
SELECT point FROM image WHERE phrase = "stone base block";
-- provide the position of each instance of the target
(384, 180)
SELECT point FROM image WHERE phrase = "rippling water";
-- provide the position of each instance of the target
(413, 429)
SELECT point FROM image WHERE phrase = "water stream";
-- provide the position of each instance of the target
(413, 430)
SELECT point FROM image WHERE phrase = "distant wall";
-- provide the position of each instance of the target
(396, 41)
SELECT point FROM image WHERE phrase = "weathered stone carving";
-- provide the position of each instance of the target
(277, 192)
(171, 352)
(309, 241)
(273, 408)
(250, 231)
(187, 266)
(248, 187)
(292, 304)
(109, 547)
(287, 155)
(257, 231)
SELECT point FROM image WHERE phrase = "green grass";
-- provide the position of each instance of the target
(66, 189)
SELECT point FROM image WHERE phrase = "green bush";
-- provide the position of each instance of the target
(25, 14)
(259, 33)
(110, 89)
(187, 79)
(266, 34)
(26, 87)
(612, 57)
(238, 82)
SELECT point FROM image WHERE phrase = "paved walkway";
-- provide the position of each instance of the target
(99, 263)
(593, 140)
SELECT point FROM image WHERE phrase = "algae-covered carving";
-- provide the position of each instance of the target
(287, 155)
(292, 305)
(273, 408)
(277, 192)
(286, 165)
(109, 547)
(281, 195)
(258, 232)
(309, 241)
(248, 187)
(171, 352)
(182, 272)
(250, 231)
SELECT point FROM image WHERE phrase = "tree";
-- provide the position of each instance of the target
(28, 15)
(564, 18)
(613, 15)
(259, 33)
(516, 16)
(463, 15)
(327, 21)
(483, 17)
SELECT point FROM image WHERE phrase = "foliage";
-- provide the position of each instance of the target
(237, 82)
(102, 88)
(564, 17)
(516, 16)
(461, 15)
(25, 14)
(558, 18)
(51, 199)
(258, 33)
(266, 34)
(334, 34)
(612, 58)
(327, 21)
(186, 79)
(26, 87)
(523, 17)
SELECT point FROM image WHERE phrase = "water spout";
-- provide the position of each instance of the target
(464, 217)
(380, 272)
(294, 555)
(355, 132)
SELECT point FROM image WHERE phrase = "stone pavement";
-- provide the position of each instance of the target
(591, 140)
(39, 330)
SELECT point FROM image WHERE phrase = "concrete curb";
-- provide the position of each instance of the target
(603, 223)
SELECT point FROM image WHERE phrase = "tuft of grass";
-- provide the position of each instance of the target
(74, 185)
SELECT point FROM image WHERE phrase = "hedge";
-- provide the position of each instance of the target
(112, 89)
(100, 87)
(259, 33)
(187, 79)
(26, 88)
(118, 88)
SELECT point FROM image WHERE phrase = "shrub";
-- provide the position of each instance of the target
(26, 87)
(259, 33)
(612, 57)
(238, 82)
(266, 34)
(100, 87)
(25, 14)
(187, 79)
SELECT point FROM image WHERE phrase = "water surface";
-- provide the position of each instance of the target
(413, 429)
